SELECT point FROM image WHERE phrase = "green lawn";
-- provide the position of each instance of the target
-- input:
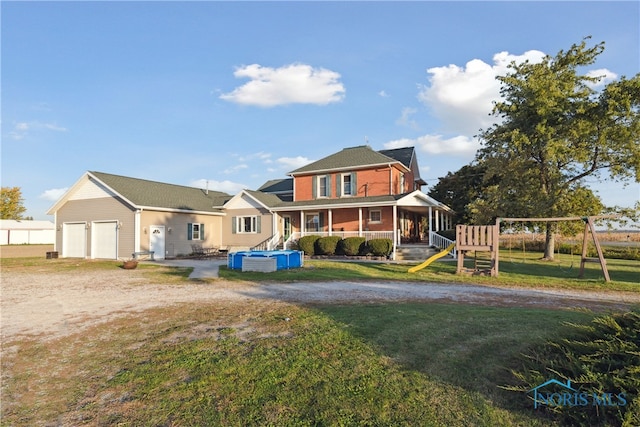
(525, 270)
(268, 363)
(262, 362)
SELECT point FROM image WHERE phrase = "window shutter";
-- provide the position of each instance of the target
(354, 186)
(189, 231)
(314, 187)
(338, 184)
(328, 185)
(202, 236)
(233, 225)
(258, 224)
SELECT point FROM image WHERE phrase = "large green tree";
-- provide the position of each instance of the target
(556, 129)
(11, 203)
(460, 189)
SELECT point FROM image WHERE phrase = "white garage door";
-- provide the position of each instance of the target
(104, 240)
(74, 240)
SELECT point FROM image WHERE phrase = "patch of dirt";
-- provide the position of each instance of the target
(55, 305)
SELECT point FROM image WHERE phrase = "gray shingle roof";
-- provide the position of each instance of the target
(352, 157)
(142, 192)
(403, 155)
(277, 186)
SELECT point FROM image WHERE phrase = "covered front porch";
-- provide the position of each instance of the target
(408, 219)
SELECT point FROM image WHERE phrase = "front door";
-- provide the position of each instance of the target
(156, 241)
(286, 226)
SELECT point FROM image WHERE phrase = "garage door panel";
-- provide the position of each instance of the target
(104, 240)
(74, 240)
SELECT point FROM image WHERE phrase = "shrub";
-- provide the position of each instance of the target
(599, 358)
(307, 244)
(327, 245)
(352, 246)
(448, 234)
(380, 247)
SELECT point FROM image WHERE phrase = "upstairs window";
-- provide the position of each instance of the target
(346, 184)
(321, 186)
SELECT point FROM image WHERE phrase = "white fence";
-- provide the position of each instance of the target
(27, 237)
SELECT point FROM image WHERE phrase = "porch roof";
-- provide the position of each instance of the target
(412, 201)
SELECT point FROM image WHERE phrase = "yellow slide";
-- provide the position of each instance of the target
(433, 258)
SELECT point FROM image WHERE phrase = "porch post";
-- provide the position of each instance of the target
(359, 222)
(437, 226)
(330, 221)
(302, 224)
(395, 234)
(430, 224)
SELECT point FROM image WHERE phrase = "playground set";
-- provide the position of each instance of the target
(474, 239)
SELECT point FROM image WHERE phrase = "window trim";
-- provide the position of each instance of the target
(378, 221)
(343, 182)
(240, 224)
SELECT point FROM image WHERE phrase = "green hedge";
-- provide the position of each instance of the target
(601, 357)
(327, 245)
(352, 246)
(307, 244)
(380, 247)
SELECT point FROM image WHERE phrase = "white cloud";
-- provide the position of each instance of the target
(234, 169)
(265, 157)
(405, 118)
(462, 146)
(53, 194)
(294, 162)
(462, 97)
(383, 94)
(290, 84)
(225, 186)
(604, 75)
(22, 129)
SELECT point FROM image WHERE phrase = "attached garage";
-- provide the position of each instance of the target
(74, 238)
(104, 240)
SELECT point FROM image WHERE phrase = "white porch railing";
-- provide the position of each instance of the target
(368, 235)
(441, 242)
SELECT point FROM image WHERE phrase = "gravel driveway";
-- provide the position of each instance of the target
(54, 305)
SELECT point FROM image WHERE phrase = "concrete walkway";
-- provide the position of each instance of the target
(202, 268)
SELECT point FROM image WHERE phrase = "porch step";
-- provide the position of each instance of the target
(415, 252)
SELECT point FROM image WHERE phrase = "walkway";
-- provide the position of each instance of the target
(202, 268)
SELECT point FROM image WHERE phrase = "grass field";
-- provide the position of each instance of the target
(264, 362)
(516, 269)
(279, 364)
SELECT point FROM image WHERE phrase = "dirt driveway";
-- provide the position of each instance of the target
(54, 305)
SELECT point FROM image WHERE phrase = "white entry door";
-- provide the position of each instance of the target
(156, 241)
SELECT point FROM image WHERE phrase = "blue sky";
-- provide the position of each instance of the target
(237, 93)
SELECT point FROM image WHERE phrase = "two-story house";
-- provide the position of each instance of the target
(355, 192)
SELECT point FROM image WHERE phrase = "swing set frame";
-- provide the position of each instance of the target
(588, 228)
